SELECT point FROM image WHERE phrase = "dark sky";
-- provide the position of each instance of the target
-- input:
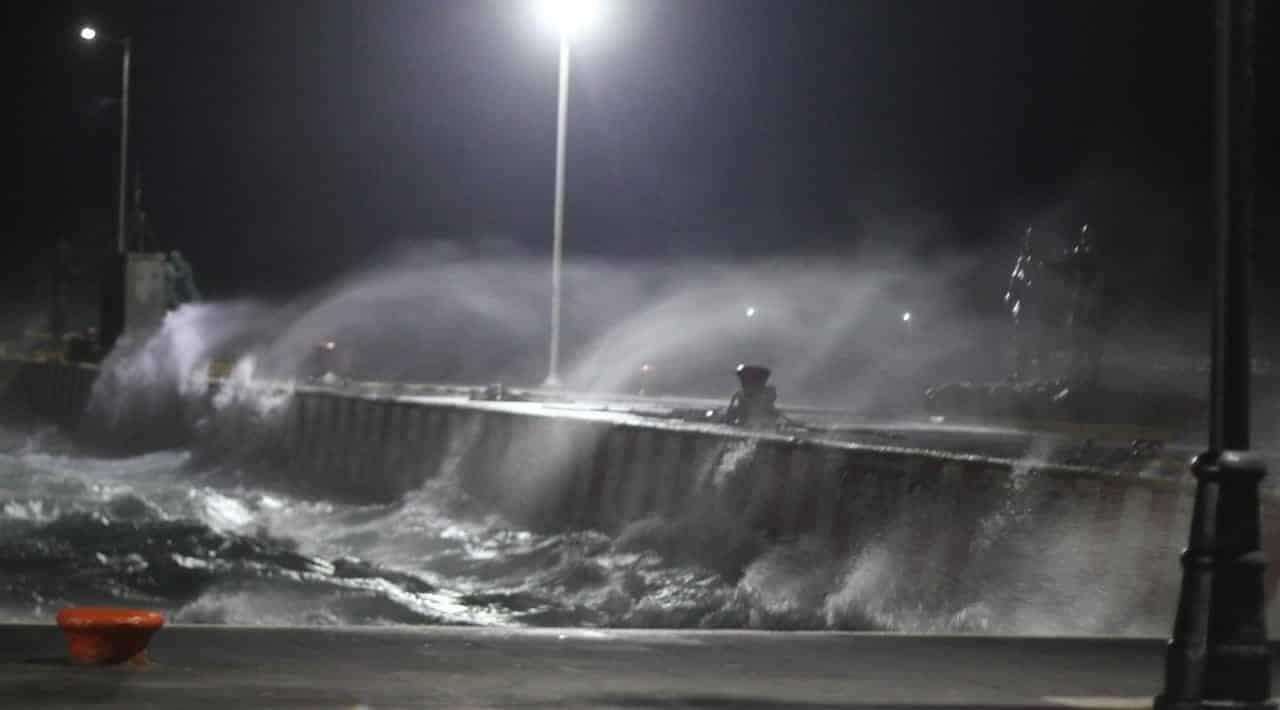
(282, 141)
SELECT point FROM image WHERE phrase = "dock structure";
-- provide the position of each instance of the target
(575, 465)
(569, 465)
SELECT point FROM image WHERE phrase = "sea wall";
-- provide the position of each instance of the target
(50, 389)
(558, 467)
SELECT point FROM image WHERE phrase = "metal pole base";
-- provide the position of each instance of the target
(1218, 656)
(1163, 703)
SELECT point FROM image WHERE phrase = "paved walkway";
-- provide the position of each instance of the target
(221, 667)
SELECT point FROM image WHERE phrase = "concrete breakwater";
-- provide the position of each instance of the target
(945, 518)
(53, 390)
(943, 515)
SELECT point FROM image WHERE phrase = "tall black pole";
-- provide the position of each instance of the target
(126, 46)
(1218, 653)
(1232, 221)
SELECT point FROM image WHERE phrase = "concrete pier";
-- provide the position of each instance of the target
(547, 466)
(54, 390)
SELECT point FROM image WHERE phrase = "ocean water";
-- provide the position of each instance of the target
(206, 542)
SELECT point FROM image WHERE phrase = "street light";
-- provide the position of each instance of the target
(568, 18)
(89, 34)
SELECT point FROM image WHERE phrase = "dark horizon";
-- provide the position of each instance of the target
(280, 145)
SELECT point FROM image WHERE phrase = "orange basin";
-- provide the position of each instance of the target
(106, 635)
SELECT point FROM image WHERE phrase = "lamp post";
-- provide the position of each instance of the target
(1218, 655)
(566, 17)
(557, 243)
(89, 34)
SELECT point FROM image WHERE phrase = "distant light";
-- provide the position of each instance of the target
(330, 345)
(906, 317)
(569, 16)
(646, 368)
(88, 33)
(751, 311)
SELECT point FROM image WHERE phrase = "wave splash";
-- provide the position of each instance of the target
(208, 545)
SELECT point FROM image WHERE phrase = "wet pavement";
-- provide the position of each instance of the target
(213, 666)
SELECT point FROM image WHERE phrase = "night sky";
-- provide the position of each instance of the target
(282, 142)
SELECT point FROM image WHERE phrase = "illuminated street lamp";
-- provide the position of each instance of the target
(568, 18)
(89, 34)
